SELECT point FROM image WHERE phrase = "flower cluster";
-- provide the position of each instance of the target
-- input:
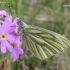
(9, 39)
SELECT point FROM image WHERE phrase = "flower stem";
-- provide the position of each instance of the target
(16, 65)
(49, 62)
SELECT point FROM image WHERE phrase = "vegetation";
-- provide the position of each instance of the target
(49, 14)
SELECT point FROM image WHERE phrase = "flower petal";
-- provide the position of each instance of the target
(0, 40)
(1, 16)
(8, 46)
(1, 21)
(6, 24)
(15, 20)
(3, 12)
(11, 37)
(20, 50)
(3, 47)
(14, 55)
(16, 30)
(8, 18)
(10, 29)
(18, 40)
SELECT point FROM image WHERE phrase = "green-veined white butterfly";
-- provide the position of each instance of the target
(41, 42)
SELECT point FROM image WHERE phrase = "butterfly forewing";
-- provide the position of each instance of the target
(44, 43)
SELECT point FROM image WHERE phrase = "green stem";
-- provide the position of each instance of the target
(16, 6)
(0, 2)
(24, 6)
(16, 65)
(9, 2)
(48, 63)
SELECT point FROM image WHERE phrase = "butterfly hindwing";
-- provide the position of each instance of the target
(44, 43)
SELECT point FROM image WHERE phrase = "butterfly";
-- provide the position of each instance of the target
(41, 42)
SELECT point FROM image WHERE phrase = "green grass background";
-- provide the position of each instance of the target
(49, 14)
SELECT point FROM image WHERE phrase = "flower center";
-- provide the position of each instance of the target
(12, 44)
(3, 36)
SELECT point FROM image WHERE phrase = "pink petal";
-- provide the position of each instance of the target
(20, 50)
(1, 21)
(14, 55)
(1, 16)
(16, 30)
(11, 29)
(18, 40)
(3, 12)
(3, 47)
(15, 20)
(5, 24)
(9, 47)
(0, 40)
(11, 37)
(8, 18)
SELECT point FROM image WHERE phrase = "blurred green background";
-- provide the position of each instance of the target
(49, 14)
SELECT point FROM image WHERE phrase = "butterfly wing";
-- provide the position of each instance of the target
(44, 43)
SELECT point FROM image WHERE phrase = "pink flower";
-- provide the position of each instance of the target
(5, 38)
(16, 51)
(3, 13)
(9, 39)
(13, 24)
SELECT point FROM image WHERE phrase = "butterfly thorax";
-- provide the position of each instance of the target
(21, 26)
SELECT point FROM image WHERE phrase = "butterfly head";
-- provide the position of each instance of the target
(21, 26)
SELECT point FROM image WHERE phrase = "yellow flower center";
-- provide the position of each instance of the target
(3, 36)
